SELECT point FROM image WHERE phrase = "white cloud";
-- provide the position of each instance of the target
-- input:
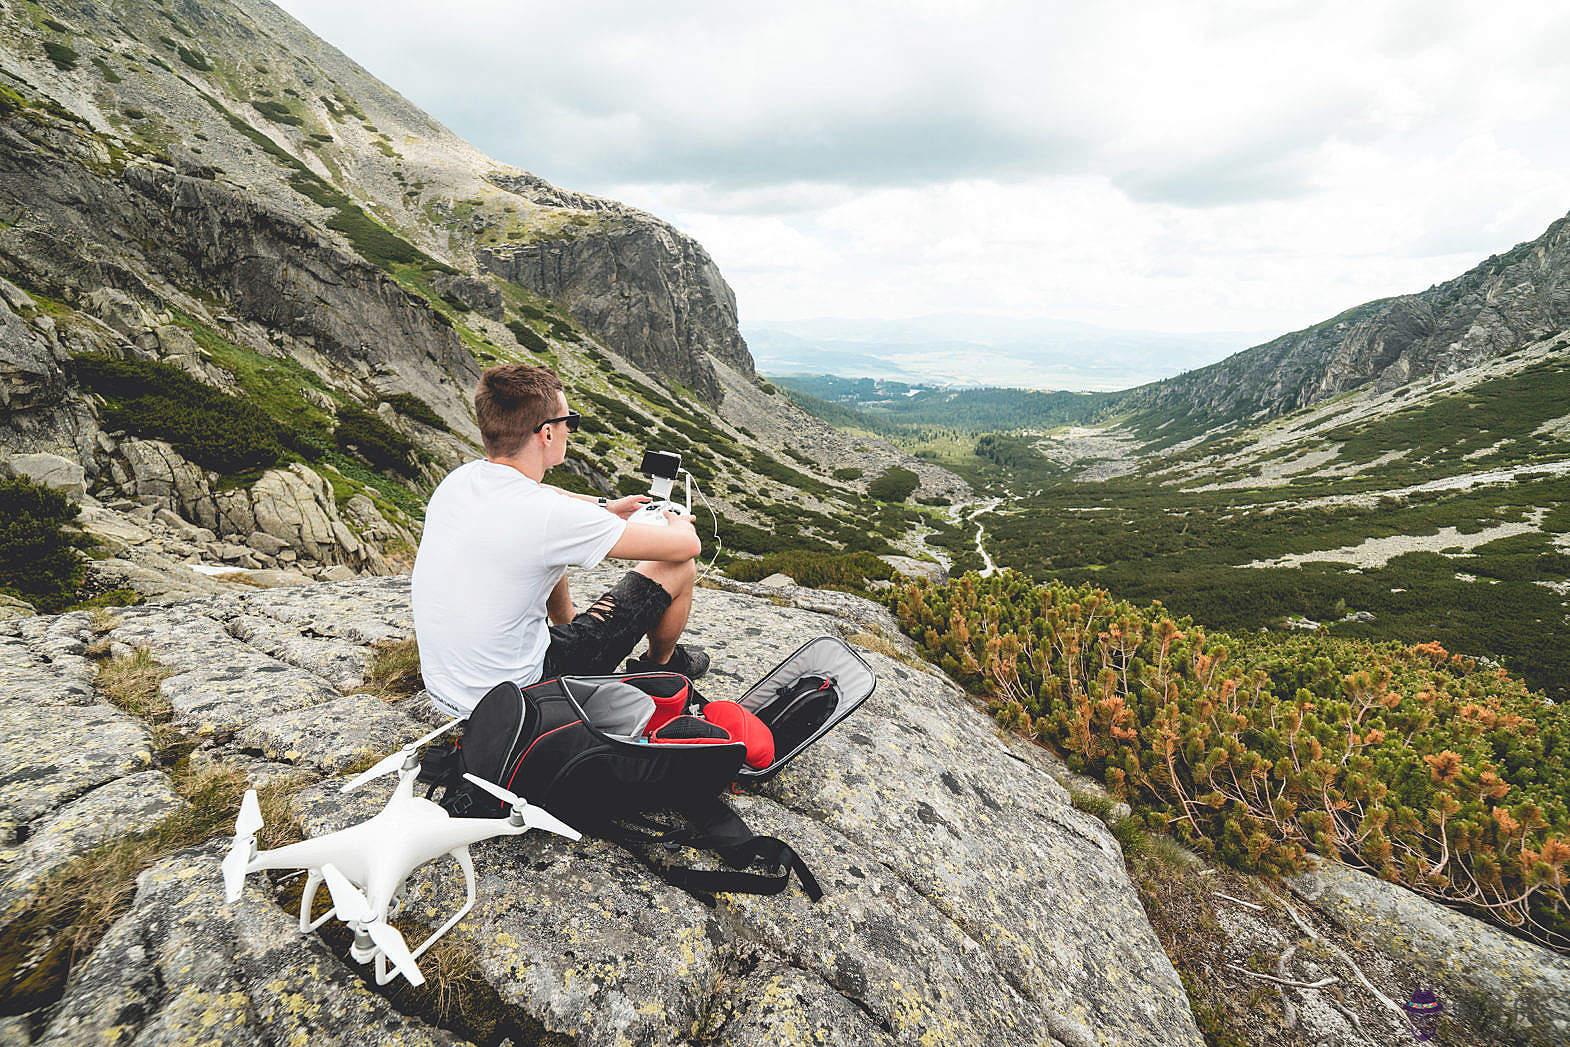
(1221, 166)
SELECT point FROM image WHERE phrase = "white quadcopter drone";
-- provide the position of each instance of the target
(365, 865)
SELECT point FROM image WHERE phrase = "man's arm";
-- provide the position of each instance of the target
(674, 544)
(558, 606)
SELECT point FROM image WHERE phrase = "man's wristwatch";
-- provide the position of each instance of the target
(602, 501)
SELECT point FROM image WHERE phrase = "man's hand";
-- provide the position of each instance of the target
(625, 507)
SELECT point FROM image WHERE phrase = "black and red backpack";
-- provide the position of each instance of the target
(604, 752)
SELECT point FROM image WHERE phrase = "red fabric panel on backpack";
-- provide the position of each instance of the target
(666, 709)
(745, 728)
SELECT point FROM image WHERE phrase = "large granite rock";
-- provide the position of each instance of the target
(637, 284)
(288, 508)
(1519, 990)
(967, 901)
(47, 470)
(30, 372)
(182, 967)
(126, 805)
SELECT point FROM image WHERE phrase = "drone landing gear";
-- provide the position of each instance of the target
(363, 950)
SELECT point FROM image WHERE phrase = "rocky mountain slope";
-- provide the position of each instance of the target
(967, 901)
(1507, 301)
(209, 190)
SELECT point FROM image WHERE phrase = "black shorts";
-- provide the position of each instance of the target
(599, 639)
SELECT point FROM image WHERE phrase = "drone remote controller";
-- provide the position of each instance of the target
(661, 467)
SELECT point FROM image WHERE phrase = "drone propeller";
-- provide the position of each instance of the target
(354, 907)
(395, 761)
(246, 825)
(534, 817)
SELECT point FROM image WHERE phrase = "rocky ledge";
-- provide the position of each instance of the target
(967, 902)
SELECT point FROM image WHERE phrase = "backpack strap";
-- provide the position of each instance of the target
(713, 826)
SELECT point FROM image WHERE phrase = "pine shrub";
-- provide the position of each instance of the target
(895, 485)
(39, 558)
(364, 433)
(814, 569)
(159, 401)
(1417, 765)
(415, 409)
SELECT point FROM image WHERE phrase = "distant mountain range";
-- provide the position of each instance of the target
(1502, 304)
(974, 350)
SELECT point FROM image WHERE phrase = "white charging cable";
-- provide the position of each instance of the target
(715, 517)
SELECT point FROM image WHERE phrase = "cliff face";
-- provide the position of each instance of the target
(967, 901)
(1505, 302)
(208, 186)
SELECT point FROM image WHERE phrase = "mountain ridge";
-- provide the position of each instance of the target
(1494, 308)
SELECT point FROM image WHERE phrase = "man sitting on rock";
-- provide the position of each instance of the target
(490, 594)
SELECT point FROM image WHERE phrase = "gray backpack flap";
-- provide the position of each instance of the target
(805, 696)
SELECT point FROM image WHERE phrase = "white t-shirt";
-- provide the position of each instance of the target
(495, 545)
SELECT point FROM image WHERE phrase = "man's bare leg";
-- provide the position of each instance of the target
(677, 580)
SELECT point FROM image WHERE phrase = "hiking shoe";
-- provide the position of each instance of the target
(691, 662)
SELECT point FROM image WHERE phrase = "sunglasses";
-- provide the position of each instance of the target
(571, 418)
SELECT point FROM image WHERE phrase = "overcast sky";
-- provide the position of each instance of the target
(1167, 167)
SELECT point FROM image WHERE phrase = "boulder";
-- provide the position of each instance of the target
(152, 468)
(48, 470)
(119, 311)
(12, 607)
(966, 900)
(266, 543)
(1518, 990)
(52, 756)
(331, 736)
(30, 374)
(296, 506)
(910, 567)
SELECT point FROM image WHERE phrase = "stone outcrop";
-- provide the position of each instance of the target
(47, 470)
(637, 284)
(1519, 991)
(967, 900)
(291, 508)
(1505, 302)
